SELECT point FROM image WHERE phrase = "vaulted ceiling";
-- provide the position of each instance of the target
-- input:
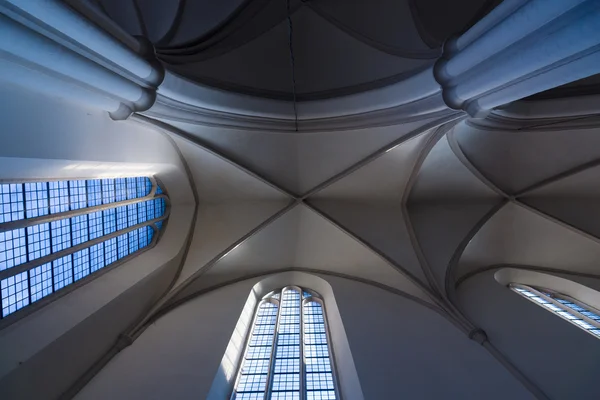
(414, 205)
(339, 47)
(407, 208)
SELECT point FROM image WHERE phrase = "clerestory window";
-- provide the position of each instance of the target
(288, 354)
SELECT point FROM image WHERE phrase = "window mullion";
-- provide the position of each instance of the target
(73, 249)
(558, 304)
(302, 366)
(23, 223)
(268, 382)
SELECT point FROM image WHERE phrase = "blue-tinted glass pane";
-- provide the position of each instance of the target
(286, 382)
(148, 184)
(141, 187)
(319, 381)
(95, 224)
(96, 257)
(110, 220)
(571, 317)
(255, 367)
(132, 214)
(94, 191)
(131, 188)
(12, 248)
(287, 365)
(122, 222)
(250, 396)
(121, 189)
(142, 216)
(61, 234)
(63, 271)
(159, 225)
(150, 210)
(81, 264)
(78, 194)
(159, 208)
(285, 396)
(15, 293)
(110, 251)
(79, 229)
(133, 241)
(317, 364)
(316, 350)
(158, 189)
(321, 395)
(36, 199)
(38, 238)
(252, 383)
(11, 202)
(108, 191)
(143, 236)
(123, 245)
(59, 196)
(149, 235)
(40, 279)
(287, 351)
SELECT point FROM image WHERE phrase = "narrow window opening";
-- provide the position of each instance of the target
(288, 354)
(572, 310)
(53, 234)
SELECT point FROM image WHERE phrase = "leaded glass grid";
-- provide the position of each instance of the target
(61, 240)
(577, 313)
(287, 354)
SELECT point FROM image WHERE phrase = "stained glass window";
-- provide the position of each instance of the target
(287, 355)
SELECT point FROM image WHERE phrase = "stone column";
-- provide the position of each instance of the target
(48, 47)
(521, 48)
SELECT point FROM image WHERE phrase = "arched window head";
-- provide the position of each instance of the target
(288, 353)
(568, 308)
(58, 233)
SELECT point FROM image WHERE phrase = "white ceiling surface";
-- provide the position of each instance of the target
(515, 235)
(359, 226)
(231, 203)
(445, 204)
(574, 199)
(298, 161)
(514, 160)
(368, 202)
(303, 239)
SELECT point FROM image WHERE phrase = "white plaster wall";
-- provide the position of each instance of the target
(46, 137)
(400, 349)
(561, 359)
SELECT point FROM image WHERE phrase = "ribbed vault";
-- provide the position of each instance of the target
(416, 208)
(339, 47)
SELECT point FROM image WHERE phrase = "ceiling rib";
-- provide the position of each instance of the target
(454, 309)
(557, 221)
(563, 175)
(216, 259)
(366, 244)
(170, 306)
(453, 264)
(437, 135)
(458, 152)
(198, 142)
(378, 153)
(473, 273)
(302, 199)
(512, 199)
